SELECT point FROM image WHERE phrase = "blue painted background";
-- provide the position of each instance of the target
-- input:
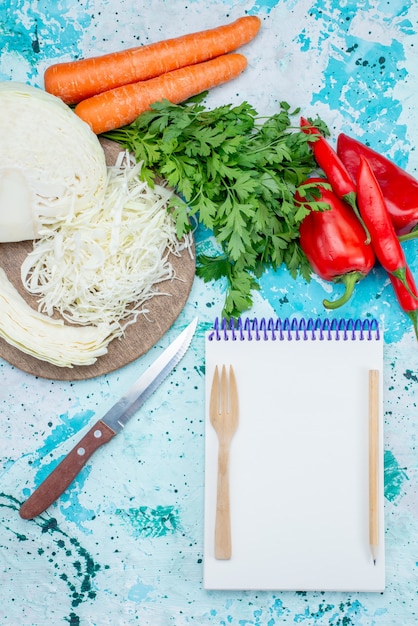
(124, 544)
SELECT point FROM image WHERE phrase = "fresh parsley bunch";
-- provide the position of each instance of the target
(237, 174)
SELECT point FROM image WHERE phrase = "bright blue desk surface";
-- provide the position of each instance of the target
(124, 544)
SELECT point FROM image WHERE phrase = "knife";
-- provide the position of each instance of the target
(108, 426)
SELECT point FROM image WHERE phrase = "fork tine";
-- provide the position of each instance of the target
(214, 394)
(233, 393)
(224, 392)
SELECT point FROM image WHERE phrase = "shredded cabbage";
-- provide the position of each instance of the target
(92, 265)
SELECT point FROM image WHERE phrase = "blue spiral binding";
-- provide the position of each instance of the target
(273, 329)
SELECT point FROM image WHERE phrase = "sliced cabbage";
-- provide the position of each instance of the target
(51, 163)
(46, 338)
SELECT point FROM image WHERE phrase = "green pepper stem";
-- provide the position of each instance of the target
(408, 236)
(351, 199)
(349, 280)
(400, 274)
(413, 315)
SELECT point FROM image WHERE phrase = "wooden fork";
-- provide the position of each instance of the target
(223, 411)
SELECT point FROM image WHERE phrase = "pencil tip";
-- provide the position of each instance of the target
(373, 549)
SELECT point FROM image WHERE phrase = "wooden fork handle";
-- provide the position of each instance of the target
(223, 548)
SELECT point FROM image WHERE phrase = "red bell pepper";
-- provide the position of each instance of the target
(333, 242)
(399, 188)
(377, 219)
(407, 301)
(333, 168)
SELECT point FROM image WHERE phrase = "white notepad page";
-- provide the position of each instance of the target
(299, 466)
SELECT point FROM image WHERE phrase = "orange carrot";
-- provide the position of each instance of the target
(78, 80)
(118, 107)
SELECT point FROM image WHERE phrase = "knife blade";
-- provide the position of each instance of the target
(108, 426)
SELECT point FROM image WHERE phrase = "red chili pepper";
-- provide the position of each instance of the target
(334, 169)
(399, 188)
(377, 219)
(333, 242)
(407, 302)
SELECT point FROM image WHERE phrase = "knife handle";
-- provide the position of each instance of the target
(65, 472)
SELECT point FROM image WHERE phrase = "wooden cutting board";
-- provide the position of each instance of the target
(139, 337)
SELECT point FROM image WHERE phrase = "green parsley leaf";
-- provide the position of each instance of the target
(237, 173)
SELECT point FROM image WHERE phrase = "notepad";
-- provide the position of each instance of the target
(299, 461)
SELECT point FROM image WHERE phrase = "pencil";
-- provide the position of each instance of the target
(374, 462)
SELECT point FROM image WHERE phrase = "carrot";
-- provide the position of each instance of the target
(77, 80)
(118, 107)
